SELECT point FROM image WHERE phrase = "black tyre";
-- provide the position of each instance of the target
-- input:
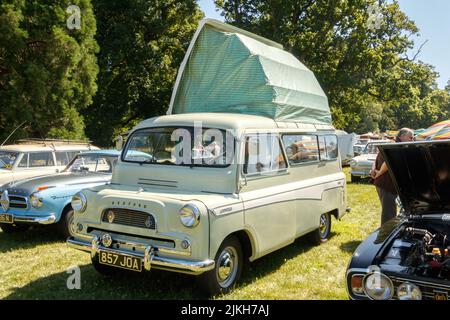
(322, 234)
(229, 262)
(355, 178)
(66, 227)
(12, 228)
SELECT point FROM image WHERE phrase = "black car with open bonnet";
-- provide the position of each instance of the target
(408, 257)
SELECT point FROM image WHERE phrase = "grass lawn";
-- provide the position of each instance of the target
(33, 265)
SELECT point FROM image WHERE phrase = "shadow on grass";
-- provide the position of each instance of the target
(36, 235)
(155, 285)
(273, 261)
(350, 246)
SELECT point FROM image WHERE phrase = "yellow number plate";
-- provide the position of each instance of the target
(6, 218)
(120, 261)
(440, 295)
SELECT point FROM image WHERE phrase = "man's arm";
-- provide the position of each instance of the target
(382, 170)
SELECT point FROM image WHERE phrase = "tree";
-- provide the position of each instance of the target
(47, 71)
(142, 44)
(352, 60)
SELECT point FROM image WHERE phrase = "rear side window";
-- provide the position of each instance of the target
(72, 154)
(62, 158)
(263, 154)
(301, 148)
(41, 159)
(24, 161)
(328, 146)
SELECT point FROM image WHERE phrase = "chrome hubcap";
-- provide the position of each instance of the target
(323, 225)
(71, 224)
(227, 267)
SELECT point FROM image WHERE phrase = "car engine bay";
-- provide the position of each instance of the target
(420, 249)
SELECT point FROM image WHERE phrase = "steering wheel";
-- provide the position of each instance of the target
(161, 154)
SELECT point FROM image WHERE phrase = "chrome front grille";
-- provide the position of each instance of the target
(428, 289)
(18, 202)
(128, 217)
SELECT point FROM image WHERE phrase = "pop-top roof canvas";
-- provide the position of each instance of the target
(227, 69)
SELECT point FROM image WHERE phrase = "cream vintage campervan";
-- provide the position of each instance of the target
(204, 193)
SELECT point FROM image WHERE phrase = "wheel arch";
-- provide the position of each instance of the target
(67, 207)
(247, 242)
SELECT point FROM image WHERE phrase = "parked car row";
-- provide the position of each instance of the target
(46, 198)
(218, 183)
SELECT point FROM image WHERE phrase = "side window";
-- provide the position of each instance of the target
(41, 159)
(328, 145)
(301, 148)
(62, 158)
(263, 153)
(24, 161)
(71, 154)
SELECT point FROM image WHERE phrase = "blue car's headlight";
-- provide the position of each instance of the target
(36, 200)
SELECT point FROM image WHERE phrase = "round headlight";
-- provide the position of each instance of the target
(79, 202)
(353, 163)
(36, 200)
(189, 215)
(378, 286)
(409, 291)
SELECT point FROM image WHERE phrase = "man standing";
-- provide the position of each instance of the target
(383, 182)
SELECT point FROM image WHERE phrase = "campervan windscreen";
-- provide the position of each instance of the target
(7, 159)
(185, 146)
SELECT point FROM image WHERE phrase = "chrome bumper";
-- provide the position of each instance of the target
(362, 174)
(38, 220)
(149, 258)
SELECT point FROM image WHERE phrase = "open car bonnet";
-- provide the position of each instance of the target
(421, 173)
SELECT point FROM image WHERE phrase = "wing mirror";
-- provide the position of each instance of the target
(119, 142)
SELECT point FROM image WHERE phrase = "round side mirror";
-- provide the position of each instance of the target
(119, 143)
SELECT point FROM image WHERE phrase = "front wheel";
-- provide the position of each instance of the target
(66, 226)
(227, 270)
(322, 234)
(355, 178)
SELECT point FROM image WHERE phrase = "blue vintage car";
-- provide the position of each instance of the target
(47, 199)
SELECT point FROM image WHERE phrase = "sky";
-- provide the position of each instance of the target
(432, 17)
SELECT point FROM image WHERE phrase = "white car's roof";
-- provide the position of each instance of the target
(43, 147)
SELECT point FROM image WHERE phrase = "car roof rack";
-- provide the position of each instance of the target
(53, 142)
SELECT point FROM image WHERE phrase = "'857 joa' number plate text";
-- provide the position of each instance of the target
(120, 261)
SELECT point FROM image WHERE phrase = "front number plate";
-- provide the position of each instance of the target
(6, 218)
(439, 295)
(120, 261)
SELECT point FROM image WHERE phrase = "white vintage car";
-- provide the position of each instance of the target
(35, 157)
(362, 165)
(203, 193)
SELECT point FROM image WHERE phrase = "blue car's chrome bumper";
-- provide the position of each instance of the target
(149, 257)
(47, 219)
